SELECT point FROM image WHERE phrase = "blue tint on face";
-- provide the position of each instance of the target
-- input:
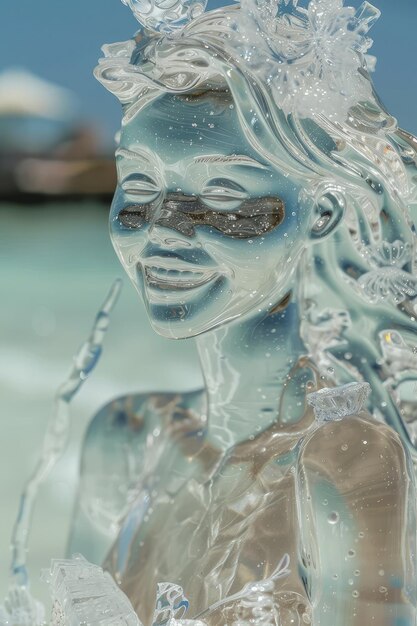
(206, 229)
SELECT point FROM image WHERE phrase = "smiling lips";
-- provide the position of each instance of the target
(165, 278)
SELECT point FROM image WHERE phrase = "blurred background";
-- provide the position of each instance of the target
(56, 262)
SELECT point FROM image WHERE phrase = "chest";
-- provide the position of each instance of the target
(211, 537)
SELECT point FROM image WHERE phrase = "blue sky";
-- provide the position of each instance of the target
(60, 41)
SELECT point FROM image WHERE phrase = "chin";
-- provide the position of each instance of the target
(179, 322)
(189, 314)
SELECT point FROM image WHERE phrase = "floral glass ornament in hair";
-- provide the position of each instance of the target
(165, 16)
(389, 278)
(311, 52)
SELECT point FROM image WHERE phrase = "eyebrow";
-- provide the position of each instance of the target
(130, 154)
(233, 159)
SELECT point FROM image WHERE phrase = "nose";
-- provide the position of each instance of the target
(166, 237)
(170, 222)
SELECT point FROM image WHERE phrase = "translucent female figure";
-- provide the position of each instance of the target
(265, 206)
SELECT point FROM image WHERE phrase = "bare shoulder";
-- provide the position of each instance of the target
(356, 446)
(118, 449)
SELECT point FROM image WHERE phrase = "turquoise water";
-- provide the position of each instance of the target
(56, 265)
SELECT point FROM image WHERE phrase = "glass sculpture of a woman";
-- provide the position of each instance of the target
(266, 206)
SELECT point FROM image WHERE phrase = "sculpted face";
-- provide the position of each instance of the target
(205, 228)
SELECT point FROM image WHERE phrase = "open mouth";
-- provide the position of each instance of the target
(176, 280)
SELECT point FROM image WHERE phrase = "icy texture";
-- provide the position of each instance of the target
(21, 609)
(84, 595)
(339, 402)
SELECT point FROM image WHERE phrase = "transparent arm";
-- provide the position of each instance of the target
(56, 436)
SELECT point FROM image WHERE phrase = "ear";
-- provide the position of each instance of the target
(329, 210)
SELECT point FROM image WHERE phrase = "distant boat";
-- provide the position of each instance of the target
(45, 151)
(35, 115)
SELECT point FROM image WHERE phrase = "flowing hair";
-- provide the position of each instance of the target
(358, 286)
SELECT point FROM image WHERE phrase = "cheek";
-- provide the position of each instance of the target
(128, 247)
(127, 243)
(250, 263)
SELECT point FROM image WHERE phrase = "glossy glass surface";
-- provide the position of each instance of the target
(265, 205)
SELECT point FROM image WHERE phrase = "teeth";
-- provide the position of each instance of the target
(159, 272)
(176, 279)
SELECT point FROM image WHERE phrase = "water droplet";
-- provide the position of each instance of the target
(355, 594)
(382, 589)
(333, 517)
(345, 447)
(351, 553)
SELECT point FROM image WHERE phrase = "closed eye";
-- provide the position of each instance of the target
(143, 189)
(223, 194)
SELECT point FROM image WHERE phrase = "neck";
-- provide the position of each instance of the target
(253, 374)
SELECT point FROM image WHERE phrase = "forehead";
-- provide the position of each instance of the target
(176, 128)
